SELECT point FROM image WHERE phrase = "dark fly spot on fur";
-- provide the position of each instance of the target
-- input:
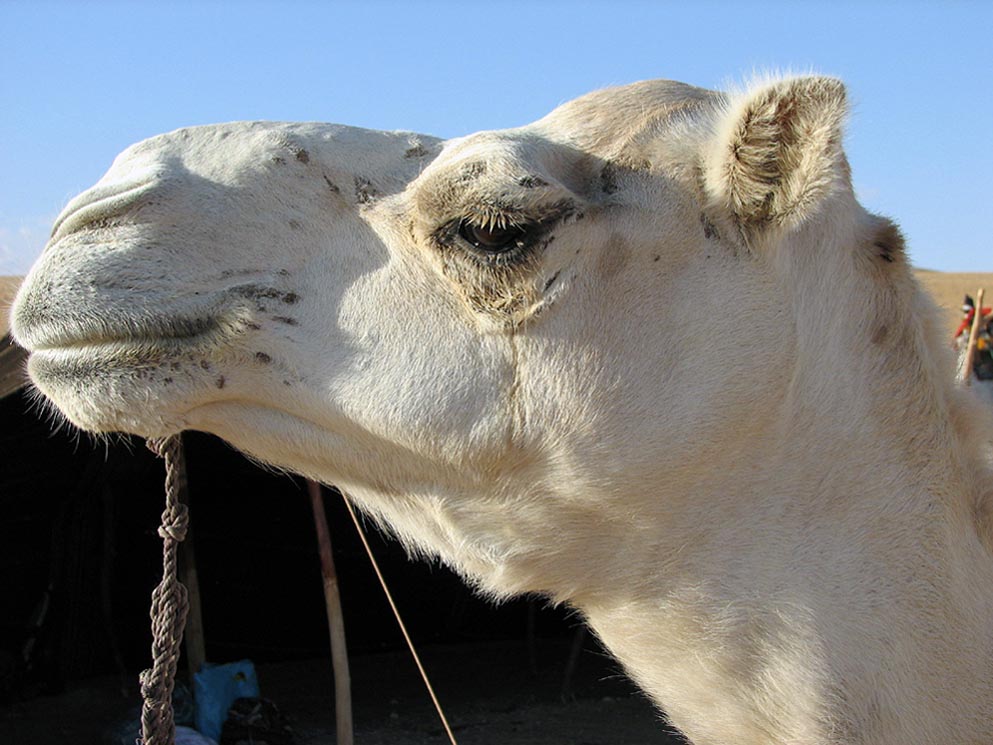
(472, 171)
(303, 156)
(709, 231)
(608, 178)
(219, 382)
(279, 161)
(334, 189)
(259, 294)
(417, 150)
(228, 273)
(104, 223)
(531, 182)
(365, 192)
(263, 358)
(880, 334)
(255, 292)
(656, 258)
(888, 241)
(287, 320)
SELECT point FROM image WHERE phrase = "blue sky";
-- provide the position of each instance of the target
(79, 81)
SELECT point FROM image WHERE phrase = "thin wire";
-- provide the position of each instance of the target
(403, 628)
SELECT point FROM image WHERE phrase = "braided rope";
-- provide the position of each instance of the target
(169, 605)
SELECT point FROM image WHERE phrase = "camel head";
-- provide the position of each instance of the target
(494, 343)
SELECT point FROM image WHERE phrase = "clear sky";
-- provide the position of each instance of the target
(81, 80)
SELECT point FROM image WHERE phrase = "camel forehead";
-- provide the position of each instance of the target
(604, 120)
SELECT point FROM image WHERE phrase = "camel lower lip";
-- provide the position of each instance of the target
(86, 358)
(83, 362)
(152, 349)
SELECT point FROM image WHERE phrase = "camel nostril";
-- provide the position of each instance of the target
(100, 204)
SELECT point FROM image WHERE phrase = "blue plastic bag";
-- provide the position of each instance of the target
(215, 688)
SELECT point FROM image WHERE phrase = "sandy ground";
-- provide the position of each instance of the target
(488, 692)
(8, 288)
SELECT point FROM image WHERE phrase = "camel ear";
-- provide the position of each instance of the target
(776, 153)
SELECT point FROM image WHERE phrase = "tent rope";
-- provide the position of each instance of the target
(400, 623)
(169, 607)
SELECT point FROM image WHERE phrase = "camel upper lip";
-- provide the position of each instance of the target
(85, 326)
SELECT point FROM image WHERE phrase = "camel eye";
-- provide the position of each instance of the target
(493, 239)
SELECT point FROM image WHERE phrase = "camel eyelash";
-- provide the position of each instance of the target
(491, 243)
(499, 238)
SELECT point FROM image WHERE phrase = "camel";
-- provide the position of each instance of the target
(511, 350)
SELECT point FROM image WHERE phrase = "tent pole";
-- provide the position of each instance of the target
(336, 621)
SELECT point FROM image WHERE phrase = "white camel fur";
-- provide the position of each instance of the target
(647, 356)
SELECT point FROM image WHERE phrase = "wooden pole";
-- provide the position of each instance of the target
(575, 650)
(970, 350)
(196, 648)
(336, 622)
(193, 635)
